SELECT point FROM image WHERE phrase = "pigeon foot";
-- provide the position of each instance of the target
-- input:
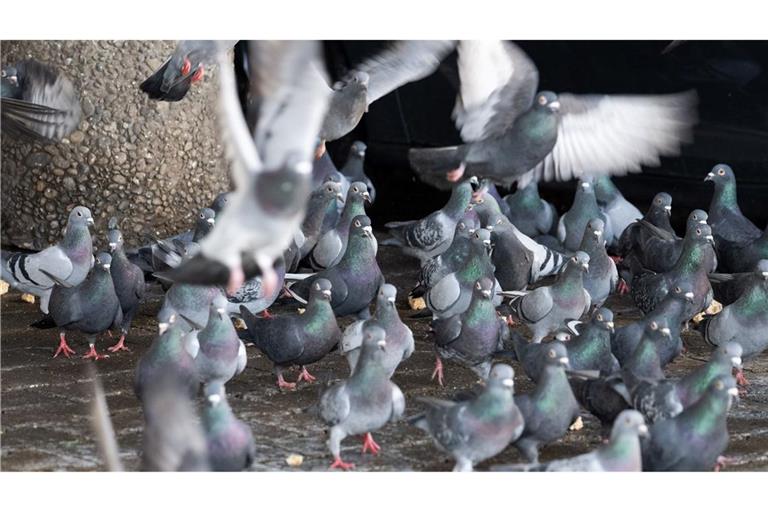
(340, 464)
(92, 354)
(120, 345)
(283, 384)
(305, 375)
(622, 288)
(438, 371)
(370, 444)
(63, 348)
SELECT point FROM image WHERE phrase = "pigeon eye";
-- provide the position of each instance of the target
(357, 223)
(678, 290)
(698, 231)
(551, 354)
(79, 214)
(658, 201)
(498, 221)
(329, 189)
(599, 318)
(317, 286)
(542, 100)
(355, 189)
(719, 384)
(477, 285)
(654, 325)
(721, 172)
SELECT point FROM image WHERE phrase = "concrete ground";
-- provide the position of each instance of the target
(45, 424)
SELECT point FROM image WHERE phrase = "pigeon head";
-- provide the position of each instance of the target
(587, 183)
(361, 226)
(658, 330)
(663, 201)
(630, 421)
(358, 149)
(321, 290)
(580, 261)
(11, 86)
(702, 232)
(387, 296)
(762, 268)
(204, 223)
(730, 352)
(484, 288)
(725, 386)
(331, 189)
(684, 292)
(115, 239)
(548, 100)
(556, 355)
(483, 236)
(605, 190)
(358, 191)
(595, 231)
(474, 183)
(80, 216)
(219, 306)
(103, 261)
(720, 175)
(283, 192)
(374, 340)
(502, 376)
(695, 218)
(165, 320)
(221, 200)
(604, 318)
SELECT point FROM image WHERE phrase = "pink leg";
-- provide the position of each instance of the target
(236, 279)
(616, 259)
(340, 464)
(198, 74)
(305, 375)
(741, 380)
(284, 384)
(370, 444)
(511, 321)
(266, 314)
(92, 354)
(721, 463)
(120, 345)
(63, 347)
(622, 288)
(438, 370)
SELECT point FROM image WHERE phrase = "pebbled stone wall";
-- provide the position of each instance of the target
(152, 164)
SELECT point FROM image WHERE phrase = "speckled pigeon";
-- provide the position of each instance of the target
(530, 213)
(67, 262)
(570, 228)
(222, 354)
(729, 225)
(297, 340)
(230, 440)
(602, 277)
(364, 402)
(477, 429)
(128, 280)
(472, 337)
(619, 213)
(400, 344)
(252, 296)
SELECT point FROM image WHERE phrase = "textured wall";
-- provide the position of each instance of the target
(154, 162)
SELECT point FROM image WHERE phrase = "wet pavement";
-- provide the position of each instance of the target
(45, 424)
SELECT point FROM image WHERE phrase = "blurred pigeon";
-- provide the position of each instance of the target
(354, 169)
(222, 354)
(323, 169)
(364, 402)
(743, 257)
(219, 202)
(671, 309)
(399, 64)
(172, 80)
(477, 429)
(297, 340)
(230, 440)
(530, 213)
(591, 348)
(356, 278)
(602, 277)
(322, 207)
(513, 133)
(621, 453)
(570, 228)
(695, 439)
(728, 288)
(485, 203)
(473, 336)
(550, 408)
(745, 321)
(91, 307)
(128, 280)
(619, 213)
(548, 308)
(331, 246)
(432, 235)
(251, 294)
(67, 262)
(400, 344)
(661, 250)
(271, 164)
(729, 225)
(695, 262)
(38, 102)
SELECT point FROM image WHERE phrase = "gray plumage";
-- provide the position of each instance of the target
(322, 214)
(187, 301)
(660, 249)
(632, 239)
(619, 213)
(128, 280)
(530, 213)
(354, 168)
(601, 279)
(590, 349)
(252, 294)
(331, 246)
(729, 225)
(221, 355)
(728, 288)
(570, 228)
(230, 441)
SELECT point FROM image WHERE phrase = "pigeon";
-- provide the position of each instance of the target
(172, 354)
(602, 278)
(661, 250)
(570, 228)
(722, 362)
(729, 225)
(168, 253)
(91, 307)
(68, 262)
(695, 262)
(547, 308)
(695, 439)
(323, 169)
(400, 63)
(633, 236)
(512, 133)
(400, 344)
(671, 309)
(356, 278)
(530, 213)
(743, 257)
(619, 213)
(221, 355)
(426, 238)
(519, 260)
(322, 215)
(331, 246)
(219, 202)
(550, 408)
(451, 295)
(230, 441)
(128, 280)
(591, 348)
(186, 66)
(354, 169)
(531, 355)
(473, 336)
(271, 164)
(38, 102)
(252, 296)
(364, 402)
(744, 321)
(477, 429)
(297, 340)
(621, 453)
(485, 203)
(728, 288)
(488, 190)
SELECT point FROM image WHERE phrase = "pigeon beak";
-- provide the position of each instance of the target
(487, 243)
(709, 177)
(642, 430)
(689, 296)
(212, 222)
(112, 246)
(668, 209)
(585, 185)
(214, 399)
(367, 196)
(361, 153)
(555, 105)
(765, 275)
(391, 300)
(221, 311)
(710, 238)
(327, 294)
(597, 233)
(105, 267)
(702, 221)
(508, 383)
(486, 294)
(90, 221)
(609, 325)
(585, 266)
(733, 392)
(564, 361)
(367, 232)
(382, 344)
(340, 197)
(666, 332)
(162, 327)
(736, 362)
(489, 227)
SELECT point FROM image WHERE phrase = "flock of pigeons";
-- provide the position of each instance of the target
(297, 225)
